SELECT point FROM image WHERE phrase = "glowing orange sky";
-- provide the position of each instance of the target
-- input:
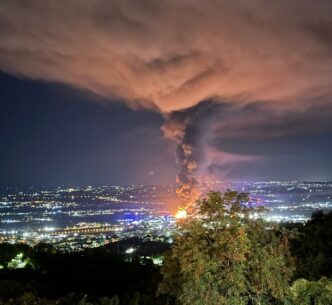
(172, 54)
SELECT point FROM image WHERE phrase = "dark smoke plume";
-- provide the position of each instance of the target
(202, 132)
(187, 129)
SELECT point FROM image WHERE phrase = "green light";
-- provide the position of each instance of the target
(18, 262)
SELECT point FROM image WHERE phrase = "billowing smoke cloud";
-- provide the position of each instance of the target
(201, 132)
(186, 129)
(170, 55)
(193, 131)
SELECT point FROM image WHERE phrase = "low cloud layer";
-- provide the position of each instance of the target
(171, 54)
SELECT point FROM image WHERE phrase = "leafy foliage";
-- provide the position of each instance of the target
(304, 292)
(313, 247)
(222, 255)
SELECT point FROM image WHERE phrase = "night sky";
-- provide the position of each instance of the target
(51, 134)
(123, 92)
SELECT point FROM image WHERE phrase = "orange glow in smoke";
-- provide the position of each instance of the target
(180, 214)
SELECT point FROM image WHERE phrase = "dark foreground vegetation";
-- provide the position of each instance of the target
(221, 254)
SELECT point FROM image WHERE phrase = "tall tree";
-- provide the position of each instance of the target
(223, 254)
(313, 248)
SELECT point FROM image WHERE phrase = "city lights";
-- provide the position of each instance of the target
(73, 219)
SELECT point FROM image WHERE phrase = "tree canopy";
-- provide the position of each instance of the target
(224, 254)
(304, 292)
(313, 247)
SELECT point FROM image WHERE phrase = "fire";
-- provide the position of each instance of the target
(180, 214)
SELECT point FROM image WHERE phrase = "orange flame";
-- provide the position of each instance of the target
(181, 214)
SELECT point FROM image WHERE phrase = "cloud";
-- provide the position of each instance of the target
(263, 69)
(263, 120)
(169, 55)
